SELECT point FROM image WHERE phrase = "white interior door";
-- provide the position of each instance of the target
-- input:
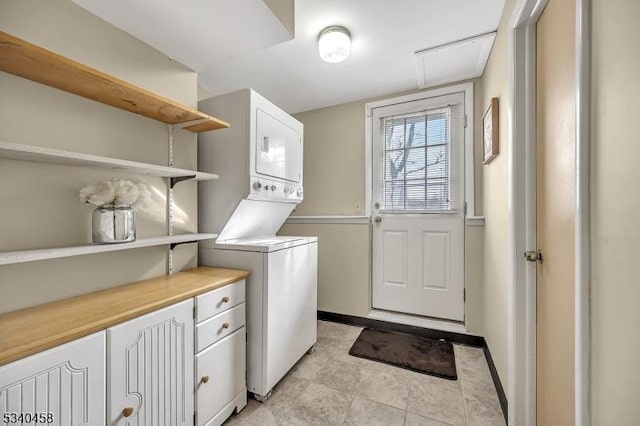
(418, 195)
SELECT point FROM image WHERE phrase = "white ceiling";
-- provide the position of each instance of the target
(196, 33)
(240, 49)
(457, 61)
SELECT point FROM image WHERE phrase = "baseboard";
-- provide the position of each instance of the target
(496, 381)
(453, 337)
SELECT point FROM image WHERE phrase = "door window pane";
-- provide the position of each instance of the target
(416, 161)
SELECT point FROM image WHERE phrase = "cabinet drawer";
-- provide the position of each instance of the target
(221, 325)
(220, 375)
(217, 301)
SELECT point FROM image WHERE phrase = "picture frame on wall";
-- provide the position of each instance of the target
(490, 132)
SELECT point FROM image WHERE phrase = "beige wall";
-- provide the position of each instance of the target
(333, 160)
(495, 83)
(334, 180)
(39, 206)
(615, 234)
(343, 266)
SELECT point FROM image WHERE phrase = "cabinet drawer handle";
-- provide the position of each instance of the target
(204, 379)
(225, 299)
(225, 325)
(127, 411)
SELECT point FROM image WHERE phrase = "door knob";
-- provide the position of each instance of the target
(225, 299)
(127, 411)
(377, 219)
(533, 256)
(225, 325)
(204, 379)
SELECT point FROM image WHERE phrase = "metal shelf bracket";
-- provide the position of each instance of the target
(189, 123)
(174, 245)
(174, 127)
(174, 180)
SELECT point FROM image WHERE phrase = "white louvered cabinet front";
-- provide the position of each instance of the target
(150, 369)
(63, 386)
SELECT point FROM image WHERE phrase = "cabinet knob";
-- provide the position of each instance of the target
(225, 325)
(225, 299)
(127, 411)
(204, 379)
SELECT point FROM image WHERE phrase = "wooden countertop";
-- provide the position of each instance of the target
(28, 331)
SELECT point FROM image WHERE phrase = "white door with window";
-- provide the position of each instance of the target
(418, 207)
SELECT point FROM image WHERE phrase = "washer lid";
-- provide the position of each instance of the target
(255, 219)
(264, 244)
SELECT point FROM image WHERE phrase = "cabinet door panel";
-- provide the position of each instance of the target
(224, 366)
(150, 365)
(67, 381)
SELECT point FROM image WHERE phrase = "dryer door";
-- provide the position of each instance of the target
(278, 149)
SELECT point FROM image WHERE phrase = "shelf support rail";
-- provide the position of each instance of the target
(172, 182)
(178, 126)
(173, 246)
(170, 225)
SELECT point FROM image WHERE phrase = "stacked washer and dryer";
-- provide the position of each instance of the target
(259, 160)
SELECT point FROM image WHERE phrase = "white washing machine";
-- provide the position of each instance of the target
(281, 301)
(259, 160)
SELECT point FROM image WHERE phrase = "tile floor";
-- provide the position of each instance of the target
(330, 387)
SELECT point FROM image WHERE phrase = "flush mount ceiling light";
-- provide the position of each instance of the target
(334, 44)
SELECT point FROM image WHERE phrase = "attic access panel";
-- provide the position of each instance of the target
(457, 61)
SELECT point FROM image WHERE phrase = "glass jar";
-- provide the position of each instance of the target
(112, 224)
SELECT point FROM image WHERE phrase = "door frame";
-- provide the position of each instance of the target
(582, 222)
(521, 388)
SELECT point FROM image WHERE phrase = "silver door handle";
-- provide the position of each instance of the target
(533, 256)
(377, 219)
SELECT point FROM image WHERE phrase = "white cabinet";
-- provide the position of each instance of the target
(142, 372)
(150, 369)
(66, 383)
(221, 359)
(223, 368)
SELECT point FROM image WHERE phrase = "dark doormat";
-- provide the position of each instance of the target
(415, 353)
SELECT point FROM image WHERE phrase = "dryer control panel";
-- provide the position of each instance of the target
(275, 190)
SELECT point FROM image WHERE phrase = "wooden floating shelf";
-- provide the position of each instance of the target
(15, 151)
(22, 256)
(32, 62)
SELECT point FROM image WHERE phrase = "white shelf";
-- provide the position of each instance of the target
(10, 257)
(15, 151)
